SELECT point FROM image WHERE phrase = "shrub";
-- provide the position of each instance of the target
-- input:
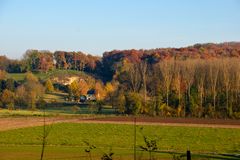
(75, 109)
(49, 86)
(119, 102)
(133, 103)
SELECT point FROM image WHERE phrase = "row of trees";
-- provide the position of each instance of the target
(111, 61)
(192, 87)
(76, 61)
(35, 60)
(172, 87)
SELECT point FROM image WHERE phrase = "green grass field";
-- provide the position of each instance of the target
(55, 97)
(63, 110)
(68, 138)
(9, 113)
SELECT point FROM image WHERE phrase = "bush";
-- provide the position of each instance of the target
(99, 104)
(10, 106)
(49, 86)
(75, 109)
(133, 103)
(236, 115)
(119, 102)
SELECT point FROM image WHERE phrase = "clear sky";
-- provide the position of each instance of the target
(95, 26)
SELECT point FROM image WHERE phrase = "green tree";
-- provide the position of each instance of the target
(10, 84)
(133, 103)
(119, 102)
(31, 58)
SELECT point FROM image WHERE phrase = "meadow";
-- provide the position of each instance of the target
(66, 141)
(44, 76)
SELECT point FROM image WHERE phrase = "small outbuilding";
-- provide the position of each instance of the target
(91, 95)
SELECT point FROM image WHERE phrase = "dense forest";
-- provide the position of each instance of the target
(202, 80)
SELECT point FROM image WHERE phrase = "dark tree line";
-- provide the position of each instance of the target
(76, 61)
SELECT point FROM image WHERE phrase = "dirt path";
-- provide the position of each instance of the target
(21, 122)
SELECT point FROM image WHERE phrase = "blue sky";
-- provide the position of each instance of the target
(95, 26)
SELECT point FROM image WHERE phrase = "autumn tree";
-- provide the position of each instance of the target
(226, 75)
(45, 61)
(78, 88)
(61, 62)
(134, 77)
(200, 77)
(10, 84)
(7, 99)
(177, 84)
(213, 75)
(143, 66)
(110, 89)
(34, 90)
(100, 91)
(20, 96)
(235, 84)
(166, 69)
(2, 74)
(49, 86)
(119, 102)
(188, 71)
(84, 87)
(4, 62)
(30, 77)
(39, 60)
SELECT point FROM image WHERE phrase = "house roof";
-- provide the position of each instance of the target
(91, 91)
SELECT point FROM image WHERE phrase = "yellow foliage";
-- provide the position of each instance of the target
(2, 74)
(100, 91)
(7, 97)
(49, 86)
(78, 88)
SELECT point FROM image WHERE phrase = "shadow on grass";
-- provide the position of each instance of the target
(78, 109)
(203, 155)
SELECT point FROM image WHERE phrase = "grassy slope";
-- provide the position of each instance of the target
(44, 76)
(120, 138)
(56, 100)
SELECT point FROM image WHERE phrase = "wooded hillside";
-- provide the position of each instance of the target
(202, 80)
